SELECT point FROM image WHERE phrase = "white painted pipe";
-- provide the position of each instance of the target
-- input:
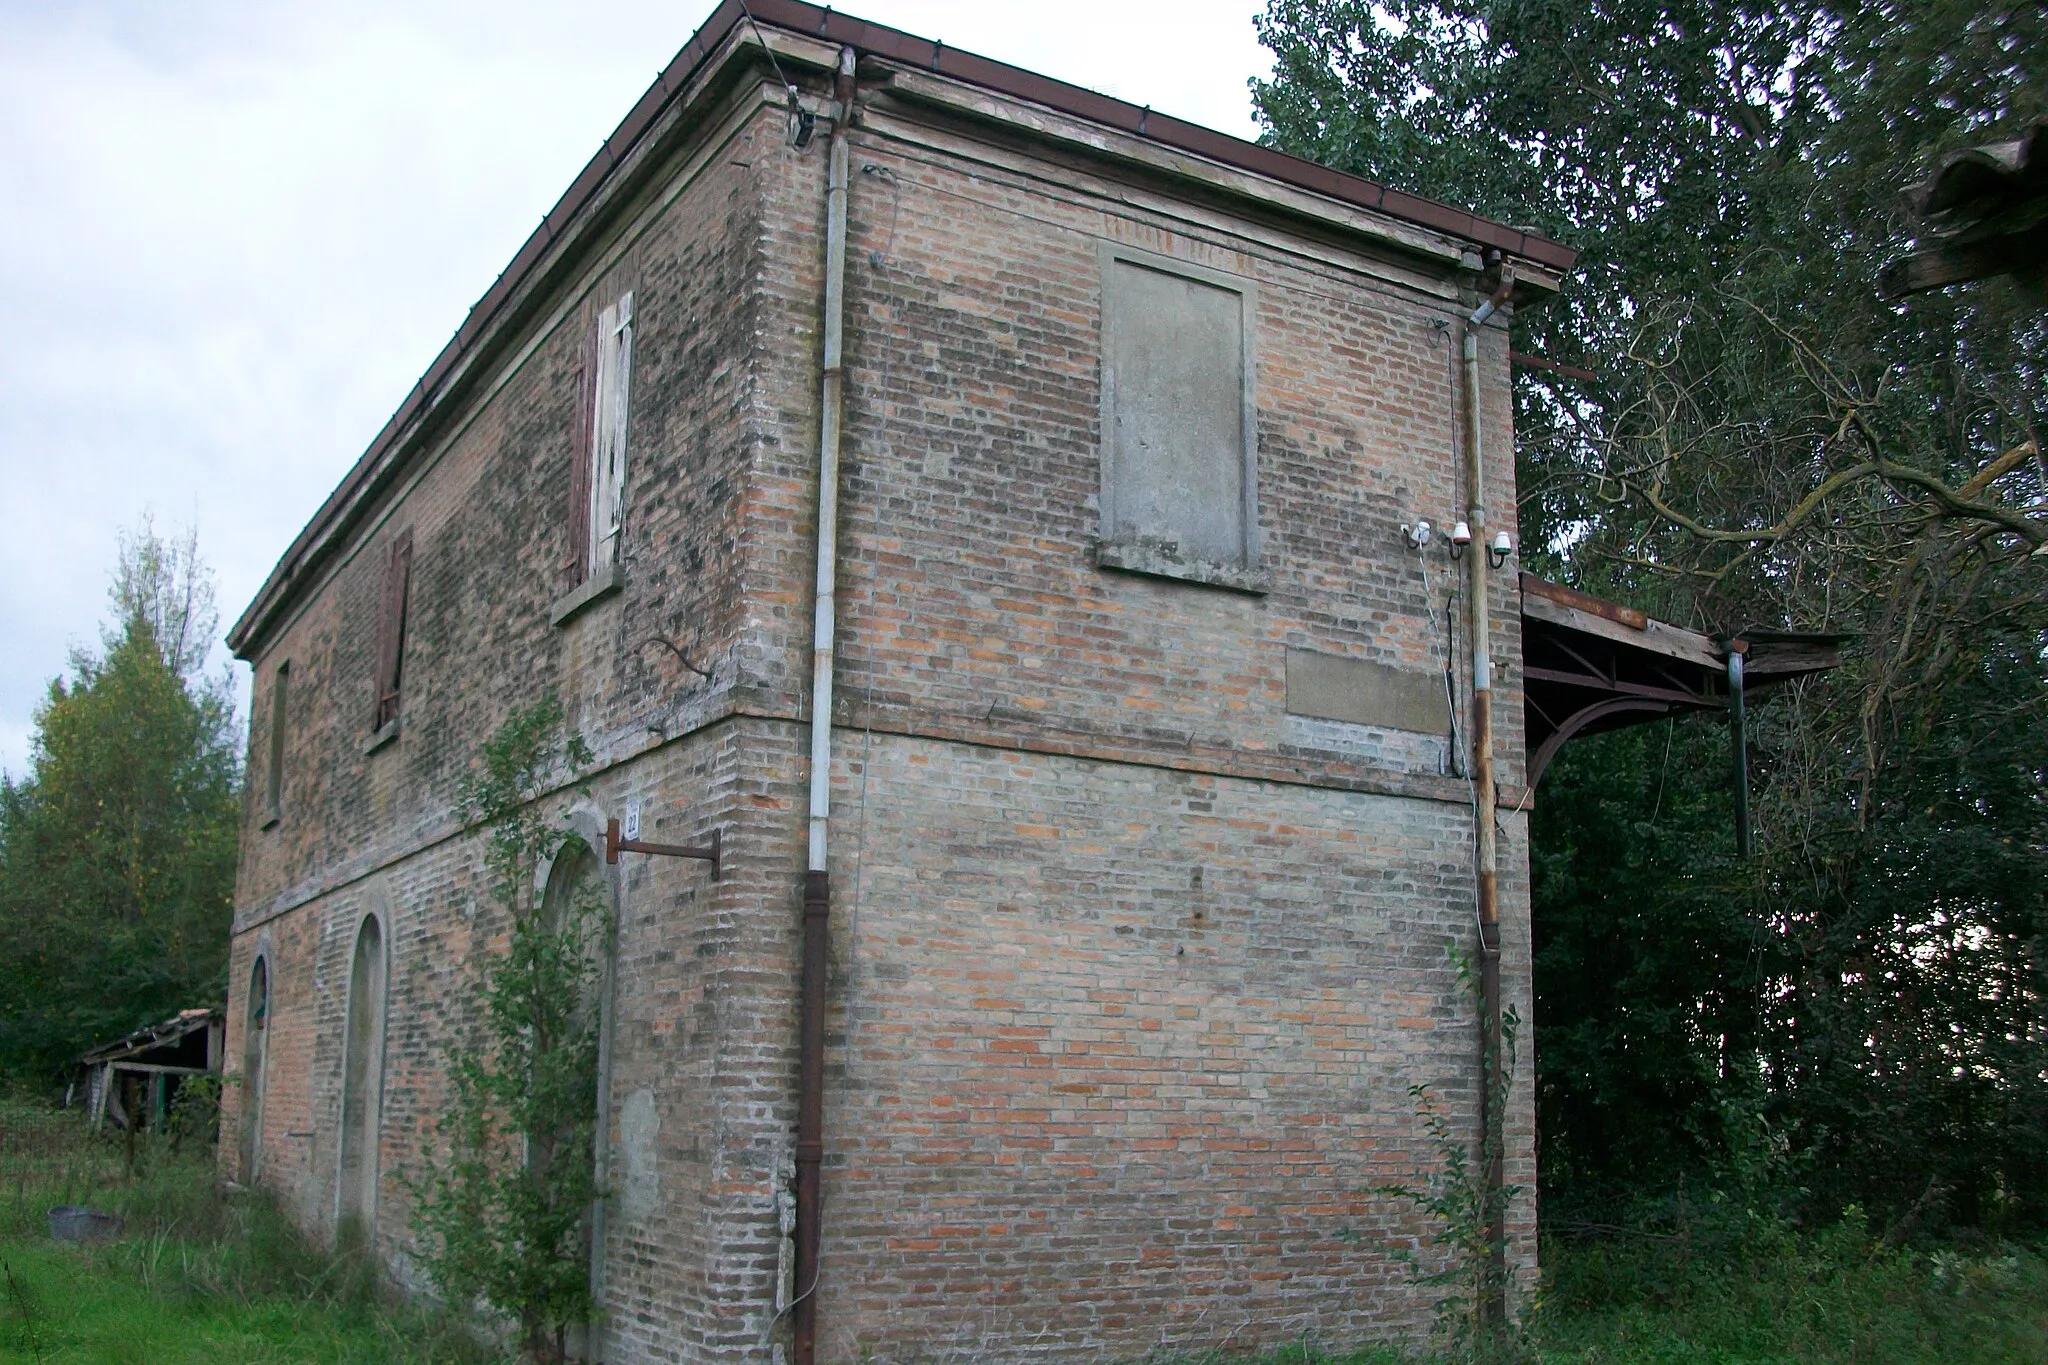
(830, 400)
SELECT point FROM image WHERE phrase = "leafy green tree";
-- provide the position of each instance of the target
(504, 1211)
(1769, 443)
(1647, 954)
(117, 850)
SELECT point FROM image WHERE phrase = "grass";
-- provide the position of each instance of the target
(1731, 1287)
(209, 1278)
(196, 1275)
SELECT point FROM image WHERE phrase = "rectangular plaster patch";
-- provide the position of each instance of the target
(1365, 693)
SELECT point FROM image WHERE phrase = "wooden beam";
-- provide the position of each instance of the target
(1937, 267)
(1655, 637)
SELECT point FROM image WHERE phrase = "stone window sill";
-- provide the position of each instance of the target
(379, 738)
(1154, 562)
(595, 588)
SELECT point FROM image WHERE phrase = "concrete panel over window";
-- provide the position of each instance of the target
(1179, 473)
(1366, 693)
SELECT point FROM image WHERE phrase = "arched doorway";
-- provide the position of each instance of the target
(255, 1036)
(362, 1083)
(578, 894)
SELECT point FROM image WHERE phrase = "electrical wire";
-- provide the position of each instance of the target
(762, 39)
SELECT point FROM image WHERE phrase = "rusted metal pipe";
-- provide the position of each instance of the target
(810, 1104)
(810, 1113)
(708, 852)
(1537, 362)
(1485, 854)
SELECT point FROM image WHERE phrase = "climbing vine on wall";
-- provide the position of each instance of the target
(505, 1208)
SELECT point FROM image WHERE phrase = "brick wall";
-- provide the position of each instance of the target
(1130, 970)
(1137, 971)
(1120, 1054)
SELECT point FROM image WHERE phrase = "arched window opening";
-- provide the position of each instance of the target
(362, 1082)
(255, 1034)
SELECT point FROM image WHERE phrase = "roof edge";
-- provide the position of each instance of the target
(807, 20)
(1142, 121)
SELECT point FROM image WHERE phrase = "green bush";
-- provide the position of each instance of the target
(1716, 1281)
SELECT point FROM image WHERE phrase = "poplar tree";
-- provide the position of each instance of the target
(117, 848)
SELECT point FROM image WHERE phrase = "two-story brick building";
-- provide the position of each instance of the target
(1142, 812)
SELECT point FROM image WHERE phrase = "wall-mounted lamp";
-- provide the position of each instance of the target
(1417, 535)
(1498, 552)
(1461, 536)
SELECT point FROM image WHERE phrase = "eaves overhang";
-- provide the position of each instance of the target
(683, 78)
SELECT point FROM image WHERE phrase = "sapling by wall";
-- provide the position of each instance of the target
(504, 1208)
(1466, 1215)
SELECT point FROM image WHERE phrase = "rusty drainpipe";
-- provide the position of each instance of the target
(1494, 1309)
(810, 1101)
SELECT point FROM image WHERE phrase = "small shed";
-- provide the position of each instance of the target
(135, 1080)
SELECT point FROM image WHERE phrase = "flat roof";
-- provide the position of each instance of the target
(903, 49)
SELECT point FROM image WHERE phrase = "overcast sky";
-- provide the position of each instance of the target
(232, 235)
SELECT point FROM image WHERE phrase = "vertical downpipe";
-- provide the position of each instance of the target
(810, 1108)
(1738, 736)
(1486, 856)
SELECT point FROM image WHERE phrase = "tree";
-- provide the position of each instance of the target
(504, 1212)
(117, 851)
(1769, 443)
(164, 584)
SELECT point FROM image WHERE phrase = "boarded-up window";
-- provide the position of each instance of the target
(597, 477)
(391, 630)
(1179, 477)
(362, 1082)
(255, 1029)
(273, 785)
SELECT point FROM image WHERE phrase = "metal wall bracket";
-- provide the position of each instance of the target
(614, 846)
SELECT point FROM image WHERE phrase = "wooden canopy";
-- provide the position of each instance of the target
(1590, 665)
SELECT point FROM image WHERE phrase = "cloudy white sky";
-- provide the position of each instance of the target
(233, 234)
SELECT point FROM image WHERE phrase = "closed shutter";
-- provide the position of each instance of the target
(280, 691)
(577, 564)
(391, 630)
(608, 456)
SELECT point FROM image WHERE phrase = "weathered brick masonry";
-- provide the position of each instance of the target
(1132, 967)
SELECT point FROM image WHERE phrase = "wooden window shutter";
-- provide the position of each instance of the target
(280, 691)
(608, 432)
(391, 630)
(577, 565)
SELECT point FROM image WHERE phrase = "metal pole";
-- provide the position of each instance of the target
(1738, 735)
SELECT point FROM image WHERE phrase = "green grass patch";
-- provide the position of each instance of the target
(211, 1278)
(1736, 1288)
(94, 1307)
(197, 1274)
